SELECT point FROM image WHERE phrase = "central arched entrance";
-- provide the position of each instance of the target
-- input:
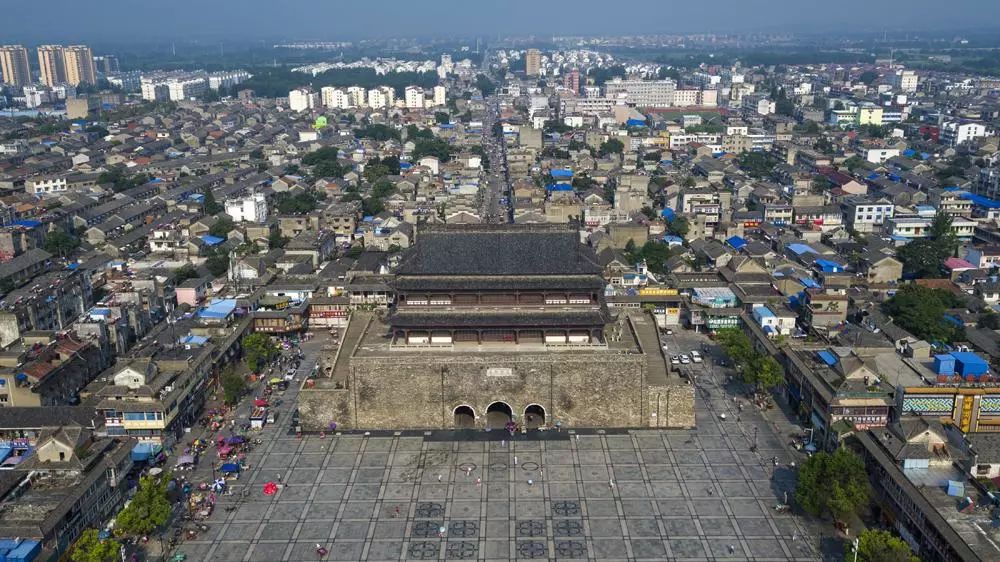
(465, 417)
(498, 414)
(534, 416)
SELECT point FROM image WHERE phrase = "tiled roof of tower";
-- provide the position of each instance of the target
(499, 250)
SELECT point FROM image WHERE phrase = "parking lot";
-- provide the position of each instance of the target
(618, 495)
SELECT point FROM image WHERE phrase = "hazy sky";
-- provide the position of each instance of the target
(105, 20)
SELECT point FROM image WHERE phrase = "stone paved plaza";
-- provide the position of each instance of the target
(685, 495)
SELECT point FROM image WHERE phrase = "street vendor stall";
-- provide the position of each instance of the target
(258, 418)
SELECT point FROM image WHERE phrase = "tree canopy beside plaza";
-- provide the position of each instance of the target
(148, 510)
(833, 484)
(755, 368)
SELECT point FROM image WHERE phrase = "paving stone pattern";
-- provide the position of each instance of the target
(644, 495)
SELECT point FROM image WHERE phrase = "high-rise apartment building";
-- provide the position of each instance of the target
(533, 62)
(414, 97)
(14, 65)
(78, 60)
(440, 95)
(571, 81)
(107, 64)
(51, 67)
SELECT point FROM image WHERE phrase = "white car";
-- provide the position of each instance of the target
(696, 357)
(685, 360)
(675, 360)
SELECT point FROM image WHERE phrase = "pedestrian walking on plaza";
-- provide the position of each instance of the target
(611, 483)
(279, 478)
(439, 477)
(515, 460)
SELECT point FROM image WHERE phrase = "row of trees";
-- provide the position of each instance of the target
(277, 82)
(755, 368)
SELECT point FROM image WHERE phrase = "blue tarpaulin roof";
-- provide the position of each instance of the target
(799, 249)
(827, 357)
(27, 223)
(829, 266)
(736, 242)
(981, 201)
(559, 187)
(809, 282)
(635, 123)
(220, 308)
(212, 240)
(668, 213)
(562, 173)
(194, 340)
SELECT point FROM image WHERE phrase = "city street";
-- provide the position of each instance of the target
(495, 192)
(616, 495)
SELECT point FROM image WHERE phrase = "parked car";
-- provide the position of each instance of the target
(685, 360)
(696, 357)
(675, 360)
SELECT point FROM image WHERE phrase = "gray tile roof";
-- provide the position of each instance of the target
(499, 250)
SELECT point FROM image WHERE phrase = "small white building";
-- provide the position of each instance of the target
(252, 208)
(954, 133)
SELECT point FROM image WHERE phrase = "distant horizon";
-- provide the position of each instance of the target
(249, 21)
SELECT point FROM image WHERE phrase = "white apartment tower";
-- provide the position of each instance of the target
(377, 99)
(301, 99)
(335, 98)
(440, 96)
(357, 96)
(414, 97)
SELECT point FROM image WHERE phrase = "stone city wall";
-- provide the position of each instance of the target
(581, 389)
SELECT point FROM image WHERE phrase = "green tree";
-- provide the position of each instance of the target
(834, 484)
(923, 258)
(875, 545)
(440, 148)
(89, 547)
(258, 350)
(679, 226)
(868, 77)
(611, 146)
(222, 227)
(442, 117)
(60, 243)
(757, 164)
(211, 206)
(485, 85)
(920, 310)
(276, 240)
(376, 132)
(148, 510)
(217, 263)
(233, 386)
(185, 272)
(854, 163)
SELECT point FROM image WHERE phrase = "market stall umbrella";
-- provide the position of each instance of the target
(185, 459)
(155, 471)
(270, 489)
(274, 380)
(260, 403)
(236, 440)
(225, 450)
(230, 467)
